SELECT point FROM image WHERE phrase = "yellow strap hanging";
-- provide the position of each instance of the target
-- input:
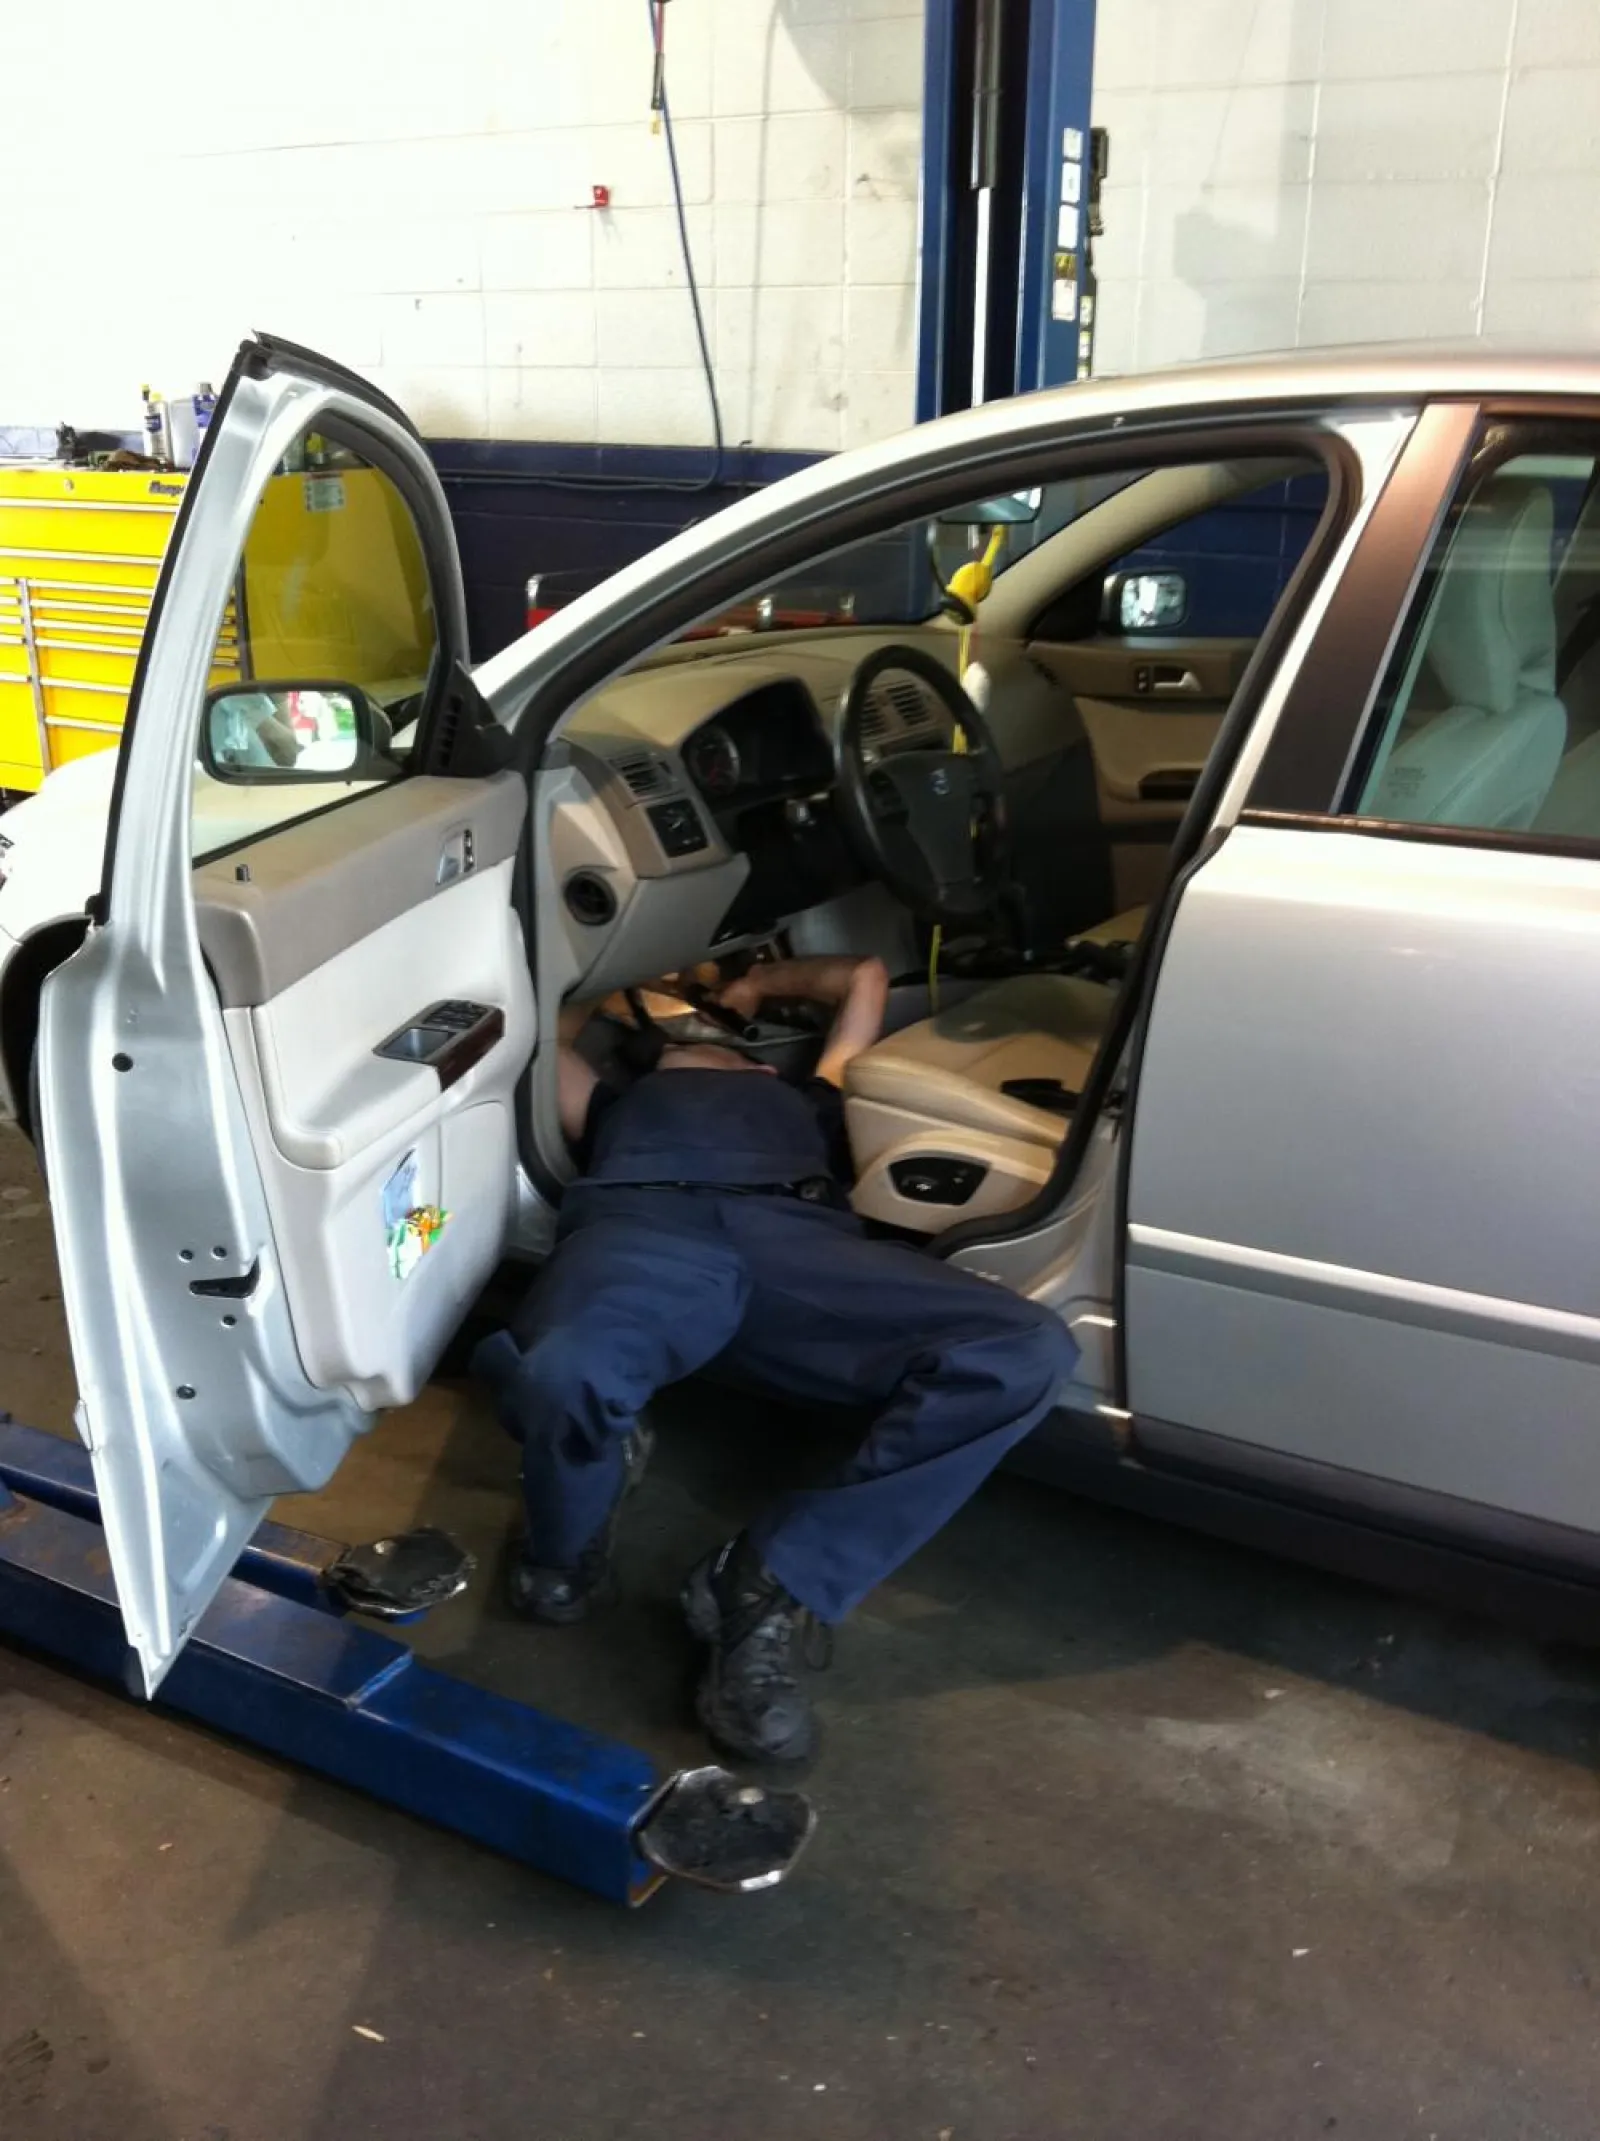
(969, 583)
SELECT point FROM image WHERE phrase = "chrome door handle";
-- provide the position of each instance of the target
(1188, 685)
(457, 858)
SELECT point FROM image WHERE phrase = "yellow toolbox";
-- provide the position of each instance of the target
(79, 553)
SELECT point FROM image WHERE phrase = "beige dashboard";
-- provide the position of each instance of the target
(643, 868)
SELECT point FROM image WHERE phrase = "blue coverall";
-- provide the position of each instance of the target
(710, 1227)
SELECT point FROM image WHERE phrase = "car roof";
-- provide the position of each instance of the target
(1384, 372)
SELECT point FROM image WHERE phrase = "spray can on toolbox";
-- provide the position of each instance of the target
(155, 442)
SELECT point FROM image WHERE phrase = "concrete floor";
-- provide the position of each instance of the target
(1124, 1834)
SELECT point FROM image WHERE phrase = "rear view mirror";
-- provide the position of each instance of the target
(1014, 509)
(1146, 601)
(259, 732)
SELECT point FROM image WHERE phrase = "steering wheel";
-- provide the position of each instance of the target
(927, 820)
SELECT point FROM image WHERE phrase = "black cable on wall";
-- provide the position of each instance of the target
(716, 475)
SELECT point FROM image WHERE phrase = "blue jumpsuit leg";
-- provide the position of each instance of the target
(644, 1287)
(962, 1367)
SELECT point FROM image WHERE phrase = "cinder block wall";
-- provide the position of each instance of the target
(399, 183)
(1315, 171)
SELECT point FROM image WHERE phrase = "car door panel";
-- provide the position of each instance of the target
(1151, 711)
(333, 1120)
(273, 912)
(1155, 670)
(1147, 760)
(1353, 1238)
(336, 1122)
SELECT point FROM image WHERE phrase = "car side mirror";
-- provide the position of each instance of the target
(258, 733)
(1145, 601)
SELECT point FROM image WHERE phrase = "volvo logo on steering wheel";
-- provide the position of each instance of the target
(939, 780)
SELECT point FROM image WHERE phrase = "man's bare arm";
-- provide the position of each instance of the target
(826, 980)
(857, 1022)
(859, 987)
(575, 1078)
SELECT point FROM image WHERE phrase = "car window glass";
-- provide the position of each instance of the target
(1490, 713)
(1234, 560)
(324, 652)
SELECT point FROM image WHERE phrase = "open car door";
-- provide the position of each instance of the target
(277, 1081)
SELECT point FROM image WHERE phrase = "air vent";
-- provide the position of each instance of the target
(446, 735)
(876, 720)
(911, 702)
(589, 899)
(644, 773)
(899, 705)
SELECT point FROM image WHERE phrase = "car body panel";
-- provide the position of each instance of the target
(1363, 1180)
(194, 1403)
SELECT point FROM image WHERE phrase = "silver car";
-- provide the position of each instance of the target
(1237, 849)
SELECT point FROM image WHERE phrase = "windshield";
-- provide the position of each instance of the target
(897, 579)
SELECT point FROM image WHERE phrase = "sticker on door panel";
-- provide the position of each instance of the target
(410, 1241)
(409, 1229)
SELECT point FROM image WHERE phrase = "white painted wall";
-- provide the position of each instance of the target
(1313, 171)
(398, 182)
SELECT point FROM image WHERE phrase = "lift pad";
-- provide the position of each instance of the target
(297, 1679)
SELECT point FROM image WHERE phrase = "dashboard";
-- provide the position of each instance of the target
(696, 811)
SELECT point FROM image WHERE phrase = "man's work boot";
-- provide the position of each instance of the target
(558, 1597)
(750, 1700)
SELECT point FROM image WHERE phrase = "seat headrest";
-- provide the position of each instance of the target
(1494, 628)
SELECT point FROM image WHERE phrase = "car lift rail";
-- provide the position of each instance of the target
(277, 1663)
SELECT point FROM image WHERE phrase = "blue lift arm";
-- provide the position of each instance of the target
(275, 1663)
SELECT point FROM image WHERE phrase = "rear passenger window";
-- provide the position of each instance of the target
(1490, 714)
(324, 654)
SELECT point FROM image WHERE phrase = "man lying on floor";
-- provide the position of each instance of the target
(711, 1223)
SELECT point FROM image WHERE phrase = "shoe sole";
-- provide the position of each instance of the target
(704, 1617)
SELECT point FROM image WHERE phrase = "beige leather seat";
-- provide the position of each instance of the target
(932, 1094)
(1490, 758)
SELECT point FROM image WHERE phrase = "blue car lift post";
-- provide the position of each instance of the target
(275, 1663)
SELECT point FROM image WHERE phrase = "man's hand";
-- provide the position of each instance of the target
(818, 981)
(860, 988)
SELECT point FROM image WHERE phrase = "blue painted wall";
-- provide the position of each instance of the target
(573, 514)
